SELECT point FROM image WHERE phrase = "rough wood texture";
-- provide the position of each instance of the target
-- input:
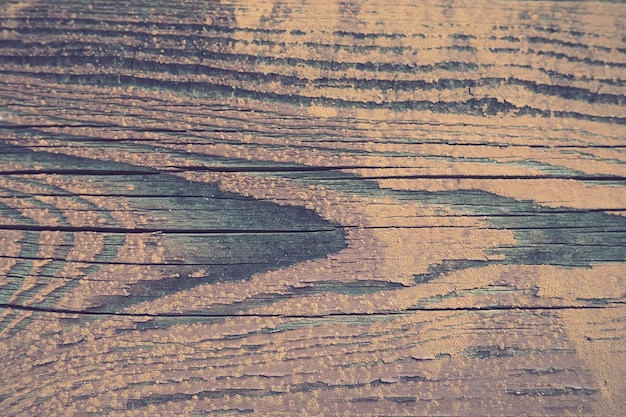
(318, 208)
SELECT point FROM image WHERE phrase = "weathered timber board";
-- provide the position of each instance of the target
(316, 208)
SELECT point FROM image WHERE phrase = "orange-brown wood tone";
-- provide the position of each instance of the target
(317, 208)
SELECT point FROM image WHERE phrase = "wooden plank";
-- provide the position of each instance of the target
(324, 208)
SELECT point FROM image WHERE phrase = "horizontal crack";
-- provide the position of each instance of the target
(72, 171)
(58, 126)
(493, 177)
(35, 228)
(270, 168)
(76, 229)
(281, 169)
(91, 262)
(303, 316)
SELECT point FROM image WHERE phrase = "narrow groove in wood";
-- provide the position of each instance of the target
(86, 172)
(304, 316)
(491, 177)
(119, 230)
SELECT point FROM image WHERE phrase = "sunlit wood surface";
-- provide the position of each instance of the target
(312, 208)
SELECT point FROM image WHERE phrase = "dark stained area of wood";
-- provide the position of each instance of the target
(229, 236)
(222, 207)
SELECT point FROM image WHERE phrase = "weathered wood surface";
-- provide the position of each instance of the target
(318, 208)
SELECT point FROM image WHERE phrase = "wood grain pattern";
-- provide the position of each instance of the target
(318, 208)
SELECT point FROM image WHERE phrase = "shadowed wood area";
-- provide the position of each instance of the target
(294, 207)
